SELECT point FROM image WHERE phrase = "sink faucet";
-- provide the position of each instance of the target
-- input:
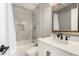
(67, 38)
(60, 35)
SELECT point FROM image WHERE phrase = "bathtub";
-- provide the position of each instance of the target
(22, 46)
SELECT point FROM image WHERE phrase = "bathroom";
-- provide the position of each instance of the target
(40, 29)
(29, 25)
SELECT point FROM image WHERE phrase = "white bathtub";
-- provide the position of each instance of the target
(22, 46)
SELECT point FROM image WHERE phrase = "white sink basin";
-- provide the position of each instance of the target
(59, 41)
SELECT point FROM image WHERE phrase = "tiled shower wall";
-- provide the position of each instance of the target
(23, 23)
(42, 20)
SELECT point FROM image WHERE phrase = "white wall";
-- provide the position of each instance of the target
(36, 23)
(44, 20)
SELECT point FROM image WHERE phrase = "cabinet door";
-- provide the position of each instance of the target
(45, 49)
(59, 52)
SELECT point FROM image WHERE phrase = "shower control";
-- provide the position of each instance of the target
(34, 27)
(3, 49)
(48, 53)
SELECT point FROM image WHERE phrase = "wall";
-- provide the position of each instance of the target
(43, 20)
(23, 23)
(46, 19)
(36, 23)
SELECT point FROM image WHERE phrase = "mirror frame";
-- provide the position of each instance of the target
(65, 31)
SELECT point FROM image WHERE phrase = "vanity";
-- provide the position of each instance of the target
(65, 19)
(51, 47)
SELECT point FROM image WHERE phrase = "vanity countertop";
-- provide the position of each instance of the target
(71, 47)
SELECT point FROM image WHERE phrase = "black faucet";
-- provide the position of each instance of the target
(60, 35)
(67, 38)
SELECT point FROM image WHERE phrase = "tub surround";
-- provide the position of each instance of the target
(71, 46)
(23, 23)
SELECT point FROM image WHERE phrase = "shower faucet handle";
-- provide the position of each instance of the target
(3, 49)
(47, 53)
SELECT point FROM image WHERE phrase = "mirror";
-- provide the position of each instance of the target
(65, 18)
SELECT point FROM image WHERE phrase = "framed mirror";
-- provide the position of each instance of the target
(65, 18)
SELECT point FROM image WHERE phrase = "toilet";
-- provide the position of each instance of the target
(32, 51)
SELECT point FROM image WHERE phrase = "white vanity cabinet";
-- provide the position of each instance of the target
(45, 49)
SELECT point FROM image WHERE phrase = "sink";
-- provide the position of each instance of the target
(59, 41)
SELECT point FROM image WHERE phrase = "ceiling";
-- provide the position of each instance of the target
(29, 6)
